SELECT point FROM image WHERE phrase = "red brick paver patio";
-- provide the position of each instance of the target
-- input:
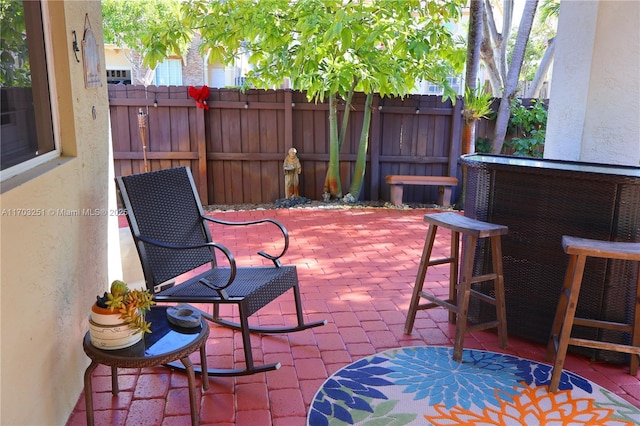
(356, 269)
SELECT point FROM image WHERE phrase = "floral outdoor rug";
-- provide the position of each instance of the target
(423, 385)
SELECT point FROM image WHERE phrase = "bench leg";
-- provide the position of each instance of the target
(444, 196)
(396, 194)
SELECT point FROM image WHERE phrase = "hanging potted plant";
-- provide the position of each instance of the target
(118, 317)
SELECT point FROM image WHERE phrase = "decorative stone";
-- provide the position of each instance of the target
(184, 315)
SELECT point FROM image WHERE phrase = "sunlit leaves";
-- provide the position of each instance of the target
(324, 46)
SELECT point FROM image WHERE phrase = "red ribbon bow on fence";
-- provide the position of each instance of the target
(200, 95)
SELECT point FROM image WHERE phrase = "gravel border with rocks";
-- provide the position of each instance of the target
(305, 203)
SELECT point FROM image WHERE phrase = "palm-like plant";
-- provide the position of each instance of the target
(477, 104)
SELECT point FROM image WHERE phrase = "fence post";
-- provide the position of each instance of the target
(203, 186)
(288, 120)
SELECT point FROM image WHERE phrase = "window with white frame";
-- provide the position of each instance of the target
(169, 73)
(119, 76)
(434, 89)
(26, 121)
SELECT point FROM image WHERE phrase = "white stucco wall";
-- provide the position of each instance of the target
(594, 107)
(54, 265)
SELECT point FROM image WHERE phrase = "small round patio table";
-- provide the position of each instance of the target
(164, 344)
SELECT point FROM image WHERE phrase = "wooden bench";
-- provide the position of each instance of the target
(444, 183)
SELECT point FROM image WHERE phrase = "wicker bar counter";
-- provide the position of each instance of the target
(540, 201)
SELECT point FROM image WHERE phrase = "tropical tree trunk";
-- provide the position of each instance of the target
(474, 42)
(332, 185)
(345, 116)
(468, 136)
(474, 49)
(511, 84)
(361, 161)
(486, 51)
(543, 69)
(507, 22)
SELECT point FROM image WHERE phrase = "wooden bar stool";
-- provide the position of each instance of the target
(579, 249)
(459, 293)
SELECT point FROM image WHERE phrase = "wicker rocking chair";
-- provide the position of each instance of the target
(172, 237)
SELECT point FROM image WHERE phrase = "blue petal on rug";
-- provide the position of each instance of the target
(422, 385)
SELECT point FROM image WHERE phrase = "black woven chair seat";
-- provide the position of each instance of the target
(257, 286)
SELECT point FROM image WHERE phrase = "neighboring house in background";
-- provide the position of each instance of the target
(118, 67)
(189, 70)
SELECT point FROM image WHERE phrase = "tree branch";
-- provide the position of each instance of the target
(487, 55)
(543, 69)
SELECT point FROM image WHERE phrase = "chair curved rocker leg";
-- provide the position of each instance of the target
(216, 318)
(250, 368)
(245, 329)
(264, 330)
(228, 372)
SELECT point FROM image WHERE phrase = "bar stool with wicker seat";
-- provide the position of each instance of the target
(459, 293)
(579, 249)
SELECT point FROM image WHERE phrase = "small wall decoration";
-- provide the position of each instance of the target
(90, 57)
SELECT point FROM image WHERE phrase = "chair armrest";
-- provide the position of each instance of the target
(223, 249)
(285, 234)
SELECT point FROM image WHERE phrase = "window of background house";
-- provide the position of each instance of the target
(169, 73)
(434, 89)
(119, 76)
(26, 123)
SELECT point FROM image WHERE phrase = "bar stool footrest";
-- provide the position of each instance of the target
(596, 344)
(436, 302)
(483, 326)
(607, 325)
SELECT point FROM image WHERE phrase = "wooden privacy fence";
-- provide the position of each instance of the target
(237, 146)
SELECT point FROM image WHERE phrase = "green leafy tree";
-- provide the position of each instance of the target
(127, 23)
(330, 49)
(14, 56)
